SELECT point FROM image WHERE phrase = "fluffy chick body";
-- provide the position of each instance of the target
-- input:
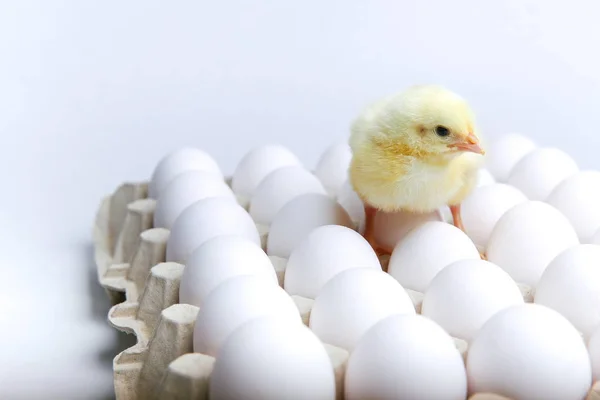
(398, 161)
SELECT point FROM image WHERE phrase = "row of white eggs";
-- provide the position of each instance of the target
(463, 297)
(313, 282)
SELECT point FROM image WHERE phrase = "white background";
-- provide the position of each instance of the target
(93, 93)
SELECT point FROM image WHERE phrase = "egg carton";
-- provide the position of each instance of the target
(144, 292)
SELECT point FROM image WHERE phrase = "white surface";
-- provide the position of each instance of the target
(594, 352)
(204, 220)
(177, 162)
(485, 177)
(465, 294)
(527, 238)
(540, 171)
(236, 301)
(261, 344)
(415, 261)
(324, 253)
(299, 217)
(571, 286)
(348, 199)
(503, 153)
(529, 351)
(352, 302)
(219, 259)
(183, 191)
(482, 209)
(332, 167)
(577, 198)
(429, 355)
(94, 93)
(279, 188)
(256, 164)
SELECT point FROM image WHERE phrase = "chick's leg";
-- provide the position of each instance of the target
(369, 233)
(456, 217)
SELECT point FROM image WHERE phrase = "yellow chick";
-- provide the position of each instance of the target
(416, 151)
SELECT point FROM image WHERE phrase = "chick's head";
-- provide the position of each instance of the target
(429, 121)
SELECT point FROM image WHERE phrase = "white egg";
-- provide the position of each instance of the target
(348, 199)
(391, 227)
(236, 301)
(177, 162)
(482, 209)
(527, 237)
(257, 164)
(219, 259)
(426, 250)
(270, 359)
(529, 351)
(205, 219)
(571, 285)
(594, 352)
(578, 198)
(183, 191)
(405, 357)
(484, 177)
(352, 302)
(465, 294)
(540, 171)
(332, 168)
(299, 217)
(278, 188)
(505, 152)
(595, 239)
(325, 252)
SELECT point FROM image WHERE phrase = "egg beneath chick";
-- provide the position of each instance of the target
(416, 151)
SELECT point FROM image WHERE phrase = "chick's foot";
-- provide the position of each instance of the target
(456, 217)
(369, 233)
(381, 251)
(455, 210)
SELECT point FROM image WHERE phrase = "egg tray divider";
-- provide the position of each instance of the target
(144, 293)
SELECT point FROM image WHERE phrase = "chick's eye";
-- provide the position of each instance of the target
(442, 131)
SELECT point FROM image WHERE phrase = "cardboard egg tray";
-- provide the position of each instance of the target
(144, 291)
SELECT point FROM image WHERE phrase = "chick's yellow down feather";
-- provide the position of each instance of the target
(417, 151)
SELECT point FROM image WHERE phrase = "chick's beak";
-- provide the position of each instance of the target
(470, 143)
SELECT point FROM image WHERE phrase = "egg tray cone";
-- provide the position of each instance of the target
(144, 291)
